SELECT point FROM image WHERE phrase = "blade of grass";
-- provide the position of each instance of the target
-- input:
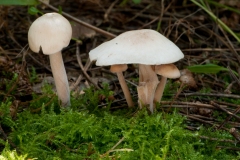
(224, 6)
(208, 69)
(223, 25)
(18, 2)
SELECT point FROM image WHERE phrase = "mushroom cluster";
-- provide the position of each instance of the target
(153, 53)
(49, 34)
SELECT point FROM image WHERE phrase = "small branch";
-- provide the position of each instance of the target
(39, 63)
(109, 10)
(229, 117)
(73, 86)
(228, 112)
(203, 121)
(120, 141)
(229, 148)
(211, 94)
(6, 138)
(199, 105)
(82, 68)
(108, 34)
(219, 140)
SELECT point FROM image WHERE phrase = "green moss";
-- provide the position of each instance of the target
(7, 154)
(70, 134)
(87, 131)
(5, 116)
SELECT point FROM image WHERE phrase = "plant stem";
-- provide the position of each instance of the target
(225, 27)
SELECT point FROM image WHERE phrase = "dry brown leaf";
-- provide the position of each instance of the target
(80, 31)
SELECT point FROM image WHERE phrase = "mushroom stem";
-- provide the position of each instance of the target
(160, 89)
(60, 78)
(125, 89)
(148, 82)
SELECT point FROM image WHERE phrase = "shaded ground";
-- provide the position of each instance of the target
(210, 99)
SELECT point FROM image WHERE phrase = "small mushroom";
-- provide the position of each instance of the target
(186, 78)
(166, 71)
(148, 82)
(50, 33)
(143, 47)
(118, 69)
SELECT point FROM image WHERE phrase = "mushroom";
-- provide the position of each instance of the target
(49, 34)
(186, 78)
(166, 71)
(118, 69)
(145, 47)
(148, 82)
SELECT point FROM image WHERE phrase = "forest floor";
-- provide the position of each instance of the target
(209, 37)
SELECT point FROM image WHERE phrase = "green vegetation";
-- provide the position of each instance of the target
(38, 128)
(204, 6)
(18, 2)
(97, 133)
(7, 154)
(207, 68)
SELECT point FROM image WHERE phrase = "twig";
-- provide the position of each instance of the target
(40, 108)
(40, 63)
(87, 65)
(135, 85)
(200, 105)
(120, 141)
(203, 121)
(6, 138)
(184, 106)
(109, 10)
(216, 139)
(228, 112)
(208, 49)
(226, 103)
(108, 34)
(136, 15)
(20, 75)
(233, 75)
(230, 148)
(224, 42)
(82, 68)
(229, 117)
(230, 43)
(211, 94)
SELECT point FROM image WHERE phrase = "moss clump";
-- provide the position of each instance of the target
(79, 135)
(89, 132)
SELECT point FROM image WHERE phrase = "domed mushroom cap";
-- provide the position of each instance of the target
(139, 46)
(51, 31)
(167, 70)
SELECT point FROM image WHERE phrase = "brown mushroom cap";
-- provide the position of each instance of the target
(167, 70)
(118, 68)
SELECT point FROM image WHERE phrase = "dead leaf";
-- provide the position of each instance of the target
(82, 32)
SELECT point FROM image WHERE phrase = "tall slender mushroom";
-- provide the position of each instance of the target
(144, 47)
(51, 33)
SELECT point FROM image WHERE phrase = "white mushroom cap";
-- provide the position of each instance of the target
(46, 32)
(139, 46)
